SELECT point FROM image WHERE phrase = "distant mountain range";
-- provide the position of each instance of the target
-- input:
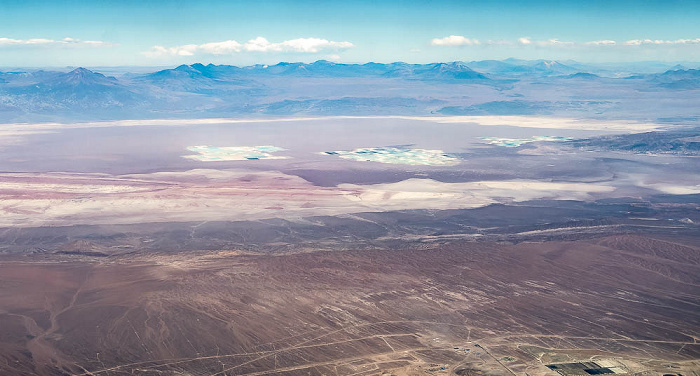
(679, 79)
(322, 87)
(321, 68)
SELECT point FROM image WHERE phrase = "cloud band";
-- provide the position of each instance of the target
(259, 44)
(459, 40)
(44, 42)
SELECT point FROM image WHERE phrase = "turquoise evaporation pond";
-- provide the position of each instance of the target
(207, 153)
(516, 142)
(398, 156)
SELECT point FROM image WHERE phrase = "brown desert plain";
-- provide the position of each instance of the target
(460, 308)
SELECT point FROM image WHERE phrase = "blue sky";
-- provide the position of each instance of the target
(156, 32)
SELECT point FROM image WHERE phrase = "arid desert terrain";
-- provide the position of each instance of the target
(489, 218)
(459, 252)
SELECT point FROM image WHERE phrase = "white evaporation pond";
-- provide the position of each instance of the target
(398, 156)
(515, 142)
(233, 153)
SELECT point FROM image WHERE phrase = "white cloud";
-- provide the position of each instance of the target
(640, 42)
(259, 44)
(458, 40)
(308, 45)
(221, 48)
(305, 45)
(499, 42)
(555, 42)
(186, 50)
(527, 41)
(65, 42)
(454, 40)
(524, 40)
(605, 42)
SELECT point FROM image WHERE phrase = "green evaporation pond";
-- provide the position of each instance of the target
(398, 156)
(207, 153)
(516, 142)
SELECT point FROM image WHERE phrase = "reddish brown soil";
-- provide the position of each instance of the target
(348, 312)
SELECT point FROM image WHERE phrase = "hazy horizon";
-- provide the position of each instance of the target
(241, 33)
(205, 62)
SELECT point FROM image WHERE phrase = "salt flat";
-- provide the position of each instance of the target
(144, 178)
(539, 122)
